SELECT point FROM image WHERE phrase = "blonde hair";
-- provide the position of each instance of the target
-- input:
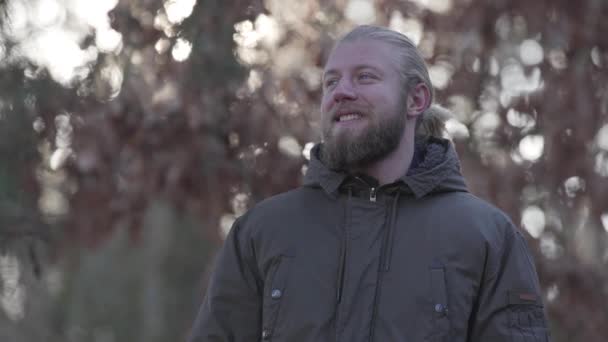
(413, 72)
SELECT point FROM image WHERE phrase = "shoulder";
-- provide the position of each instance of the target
(276, 225)
(287, 199)
(473, 208)
(287, 202)
(472, 226)
(467, 215)
(491, 221)
(288, 206)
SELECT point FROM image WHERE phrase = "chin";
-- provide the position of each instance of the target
(350, 129)
(347, 138)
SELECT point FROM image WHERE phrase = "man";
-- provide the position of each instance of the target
(382, 242)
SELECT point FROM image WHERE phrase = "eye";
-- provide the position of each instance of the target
(330, 82)
(364, 76)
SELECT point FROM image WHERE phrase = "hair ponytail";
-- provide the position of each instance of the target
(432, 121)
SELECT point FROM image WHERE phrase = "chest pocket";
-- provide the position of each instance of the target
(440, 322)
(274, 294)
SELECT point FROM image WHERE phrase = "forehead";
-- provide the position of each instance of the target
(359, 53)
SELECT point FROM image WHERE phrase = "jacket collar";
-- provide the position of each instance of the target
(435, 168)
(438, 168)
(319, 175)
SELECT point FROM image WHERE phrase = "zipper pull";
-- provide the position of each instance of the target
(372, 195)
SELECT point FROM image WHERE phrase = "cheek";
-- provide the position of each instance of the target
(326, 103)
(390, 102)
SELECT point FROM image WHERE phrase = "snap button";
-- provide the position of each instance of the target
(439, 308)
(276, 294)
(265, 334)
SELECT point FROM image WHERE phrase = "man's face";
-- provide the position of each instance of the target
(363, 107)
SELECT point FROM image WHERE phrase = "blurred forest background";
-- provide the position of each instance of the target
(133, 132)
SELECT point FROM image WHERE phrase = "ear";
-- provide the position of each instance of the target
(418, 100)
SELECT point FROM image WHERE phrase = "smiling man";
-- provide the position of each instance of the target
(383, 242)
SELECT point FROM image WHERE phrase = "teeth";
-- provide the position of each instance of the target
(349, 117)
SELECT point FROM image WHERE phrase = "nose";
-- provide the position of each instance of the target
(344, 91)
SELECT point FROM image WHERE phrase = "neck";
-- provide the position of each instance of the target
(396, 164)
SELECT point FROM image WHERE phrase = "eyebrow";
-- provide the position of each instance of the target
(357, 67)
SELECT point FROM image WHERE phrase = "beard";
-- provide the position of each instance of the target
(347, 150)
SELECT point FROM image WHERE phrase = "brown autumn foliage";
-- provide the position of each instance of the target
(133, 168)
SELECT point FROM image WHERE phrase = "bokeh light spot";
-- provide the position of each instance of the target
(361, 11)
(307, 149)
(161, 46)
(108, 40)
(533, 220)
(181, 50)
(289, 146)
(178, 10)
(47, 13)
(601, 164)
(487, 123)
(410, 27)
(240, 201)
(268, 30)
(531, 52)
(12, 298)
(520, 119)
(573, 185)
(596, 57)
(226, 222)
(552, 293)
(441, 74)
(437, 6)
(558, 59)
(602, 138)
(531, 147)
(456, 129)
(254, 81)
(549, 247)
(604, 219)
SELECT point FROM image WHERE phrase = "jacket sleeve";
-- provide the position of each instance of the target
(231, 309)
(509, 306)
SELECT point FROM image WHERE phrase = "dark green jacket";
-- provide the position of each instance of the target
(340, 259)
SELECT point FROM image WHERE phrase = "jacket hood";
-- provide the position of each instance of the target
(435, 168)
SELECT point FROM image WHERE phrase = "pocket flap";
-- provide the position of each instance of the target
(523, 297)
(438, 287)
(274, 292)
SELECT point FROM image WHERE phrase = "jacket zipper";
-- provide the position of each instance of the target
(341, 277)
(341, 271)
(385, 254)
(372, 194)
(373, 191)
